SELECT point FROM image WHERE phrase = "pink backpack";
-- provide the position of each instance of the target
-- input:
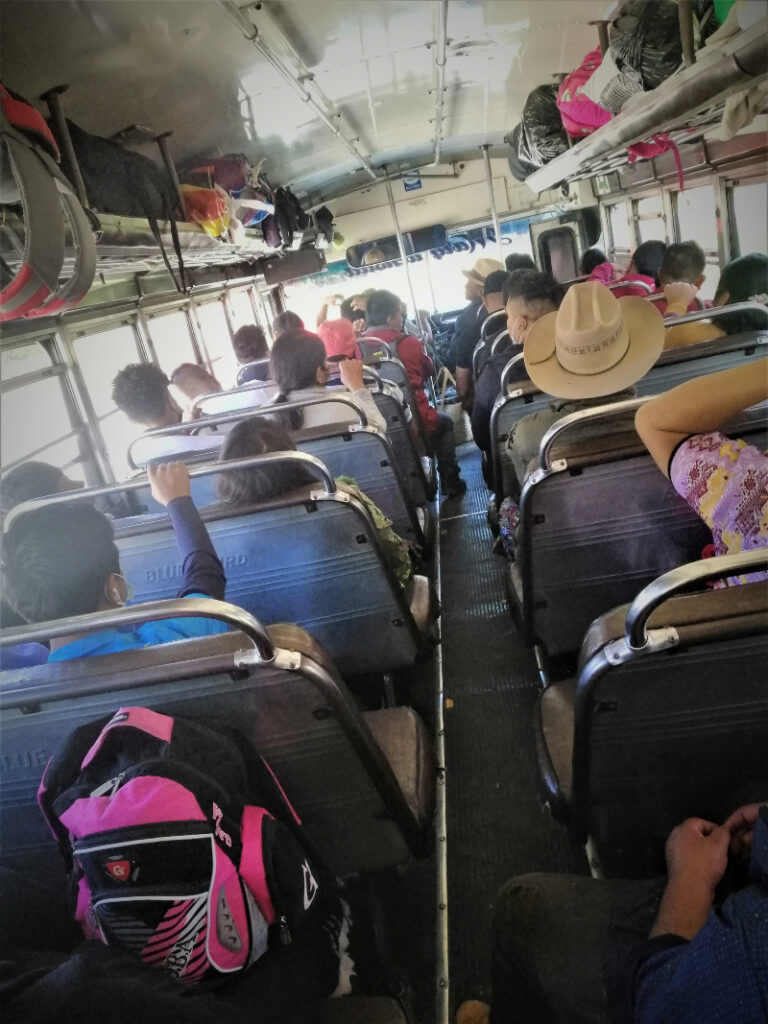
(181, 845)
(581, 115)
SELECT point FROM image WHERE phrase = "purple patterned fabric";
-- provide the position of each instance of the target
(725, 481)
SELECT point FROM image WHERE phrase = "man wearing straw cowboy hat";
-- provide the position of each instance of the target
(590, 352)
(468, 324)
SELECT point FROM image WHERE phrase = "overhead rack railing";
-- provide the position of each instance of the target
(684, 106)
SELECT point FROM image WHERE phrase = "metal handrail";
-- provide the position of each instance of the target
(309, 462)
(598, 412)
(246, 366)
(507, 370)
(248, 412)
(151, 611)
(251, 385)
(685, 576)
(501, 337)
(718, 311)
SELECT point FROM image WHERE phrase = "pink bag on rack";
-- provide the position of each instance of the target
(581, 115)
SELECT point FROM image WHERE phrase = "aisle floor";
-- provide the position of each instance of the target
(497, 827)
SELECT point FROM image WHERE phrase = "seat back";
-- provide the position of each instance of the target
(599, 524)
(677, 729)
(416, 469)
(295, 709)
(673, 367)
(247, 396)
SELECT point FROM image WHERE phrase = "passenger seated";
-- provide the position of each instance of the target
(249, 344)
(61, 560)
(385, 319)
(577, 950)
(299, 368)
(141, 392)
(286, 321)
(590, 260)
(724, 480)
(588, 353)
(250, 486)
(745, 278)
(528, 295)
(519, 261)
(642, 277)
(684, 262)
(192, 381)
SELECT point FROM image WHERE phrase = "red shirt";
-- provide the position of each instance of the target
(418, 366)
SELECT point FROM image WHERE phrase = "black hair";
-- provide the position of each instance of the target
(648, 257)
(295, 359)
(519, 261)
(683, 261)
(533, 286)
(250, 343)
(257, 436)
(743, 278)
(495, 282)
(29, 480)
(348, 312)
(590, 259)
(56, 561)
(381, 305)
(184, 369)
(141, 391)
(286, 321)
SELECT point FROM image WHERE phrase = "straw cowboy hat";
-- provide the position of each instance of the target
(594, 345)
(482, 269)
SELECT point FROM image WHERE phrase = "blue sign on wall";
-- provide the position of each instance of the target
(411, 181)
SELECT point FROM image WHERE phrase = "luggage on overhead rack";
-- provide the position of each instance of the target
(540, 136)
(645, 37)
(50, 209)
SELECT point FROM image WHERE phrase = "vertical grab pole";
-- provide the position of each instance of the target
(685, 17)
(400, 244)
(492, 198)
(170, 166)
(51, 97)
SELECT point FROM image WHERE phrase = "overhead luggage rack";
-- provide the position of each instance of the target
(684, 107)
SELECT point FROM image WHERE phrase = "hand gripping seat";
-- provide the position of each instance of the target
(667, 717)
(363, 785)
(597, 522)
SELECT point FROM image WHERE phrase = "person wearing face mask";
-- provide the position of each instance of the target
(61, 560)
(525, 296)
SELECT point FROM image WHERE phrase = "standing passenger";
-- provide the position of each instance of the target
(467, 329)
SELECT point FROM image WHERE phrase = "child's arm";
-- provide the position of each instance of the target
(202, 570)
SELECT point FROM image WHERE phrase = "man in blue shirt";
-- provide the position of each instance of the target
(62, 560)
(691, 948)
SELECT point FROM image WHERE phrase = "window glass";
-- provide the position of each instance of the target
(172, 341)
(750, 216)
(650, 219)
(241, 308)
(31, 419)
(557, 249)
(696, 217)
(217, 342)
(100, 357)
(621, 236)
(711, 277)
(15, 362)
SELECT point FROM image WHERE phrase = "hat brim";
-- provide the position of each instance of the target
(645, 327)
(472, 276)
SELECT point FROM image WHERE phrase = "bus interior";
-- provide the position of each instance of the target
(558, 711)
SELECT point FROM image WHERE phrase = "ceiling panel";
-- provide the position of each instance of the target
(185, 66)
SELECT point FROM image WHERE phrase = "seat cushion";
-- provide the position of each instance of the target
(405, 742)
(556, 710)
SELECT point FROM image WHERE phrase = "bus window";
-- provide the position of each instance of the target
(217, 342)
(749, 220)
(47, 434)
(649, 214)
(240, 308)
(621, 236)
(15, 362)
(100, 357)
(171, 340)
(697, 222)
(558, 254)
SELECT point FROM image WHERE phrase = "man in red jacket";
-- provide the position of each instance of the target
(384, 314)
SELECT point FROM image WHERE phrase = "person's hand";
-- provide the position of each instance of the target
(168, 480)
(191, 413)
(351, 373)
(680, 293)
(333, 300)
(697, 853)
(740, 825)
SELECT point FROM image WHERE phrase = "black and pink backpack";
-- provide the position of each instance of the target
(181, 844)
